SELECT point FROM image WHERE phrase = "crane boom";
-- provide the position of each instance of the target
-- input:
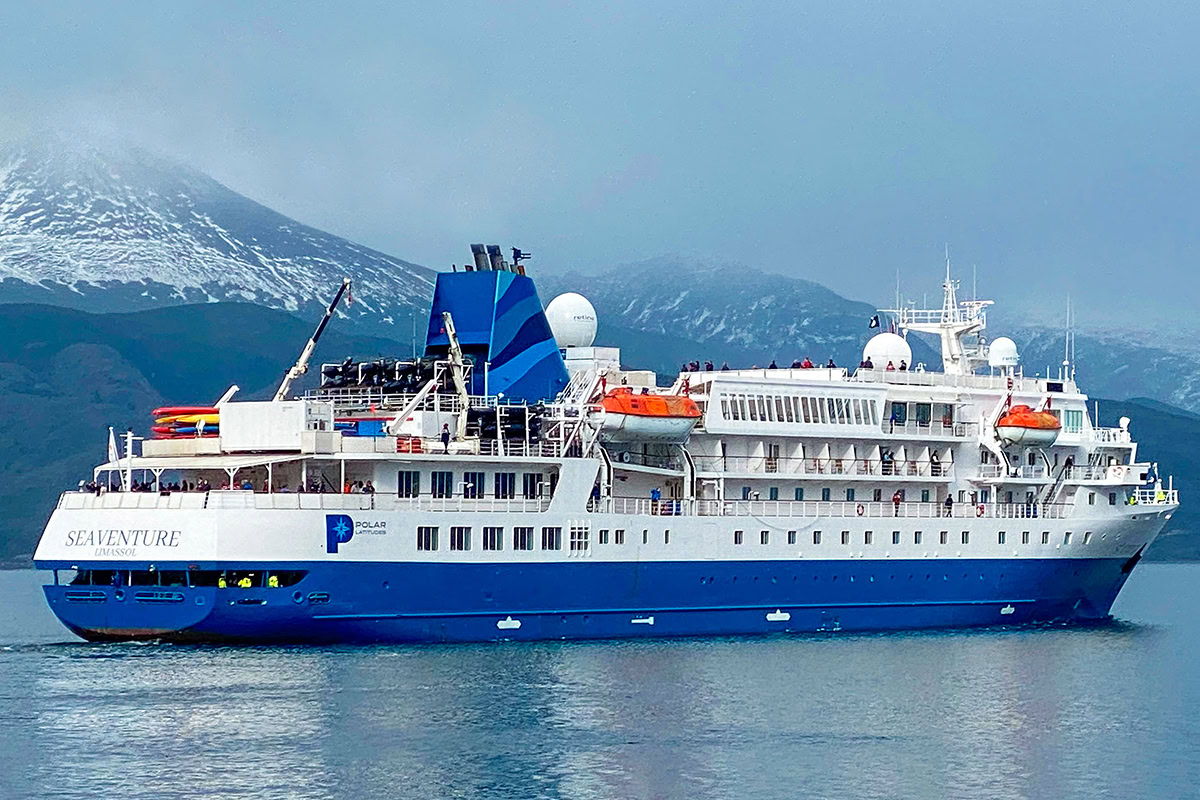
(456, 372)
(301, 365)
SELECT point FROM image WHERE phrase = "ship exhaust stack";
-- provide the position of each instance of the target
(480, 255)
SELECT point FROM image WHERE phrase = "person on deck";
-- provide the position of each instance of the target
(896, 498)
(772, 365)
(446, 438)
(949, 504)
(806, 364)
(831, 365)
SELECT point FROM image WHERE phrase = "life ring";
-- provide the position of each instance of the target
(860, 510)
(626, 457)
(979, 510)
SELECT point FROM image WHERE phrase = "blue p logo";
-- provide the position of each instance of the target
(338, 530)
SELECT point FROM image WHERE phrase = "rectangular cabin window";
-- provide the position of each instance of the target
(788, 409)
(734, 412)
(874, 413)
(737, 537)
(666, 537)
(791, 537)
(825, 494)
(1112, 498)
(579, 538)
(1067, 538)
(602, 537)
(1000, 537)
(868, 536)
(764, 537)
(858, 417)
(946, 413)
(816, 537)
(762, 409)
(924, 495)
(408, 483)
(773, 493)
(850, 495)
(1045, 537)
(473, 485)
(916, 537)
(1087, 537)
(771, 409)
(895, 537)
(780, 409)
(551, 538)
(753, 410)
(619, 536)
(493, 538)
(645, 536)
(899, 413)
(522, 538)
(1091, 498)
(531, 485)
(966, 537)
(443, 483)
(460, 538)
(724, 407)
(826, 406)
(943, 537)
(924, 413)
(1024, 537)
(742, 406)
(804, 409)
(427, 538)
(504, 485)
(800, 494)
(1072, 421)
(845, 537)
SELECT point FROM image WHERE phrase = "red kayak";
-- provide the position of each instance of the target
(172, 411)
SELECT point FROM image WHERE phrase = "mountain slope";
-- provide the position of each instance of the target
(111, 228)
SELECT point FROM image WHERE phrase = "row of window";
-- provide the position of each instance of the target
(442, 484)
(764, 537)
(827, 494)
(796, 408)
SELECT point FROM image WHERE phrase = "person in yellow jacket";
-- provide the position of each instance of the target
(245, 582)
(221, 584)
(273, 581)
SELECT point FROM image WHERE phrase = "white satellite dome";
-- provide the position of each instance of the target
(572, 320)
(1003, 353)
(885, 347)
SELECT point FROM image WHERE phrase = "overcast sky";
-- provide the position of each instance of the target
(1052, 144)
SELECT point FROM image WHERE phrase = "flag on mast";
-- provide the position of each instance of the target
(874, 323)
(113, 455)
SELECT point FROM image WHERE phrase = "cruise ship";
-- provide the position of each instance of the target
(516, 482)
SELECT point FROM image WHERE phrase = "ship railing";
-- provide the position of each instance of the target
(1157, 497)
(1109, 435)
(824, 508)
(1114, 473)
(131, 500)
(817, 467)
(281, 501)
(938, 429)
(1029, 472)
(920, 378)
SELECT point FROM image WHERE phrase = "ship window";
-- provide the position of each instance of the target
(877, 495)
(522, 538)
(825, 494)
(899, 413)
(551, 538)
(493, 538)
(603, 536)
(850, 495)
(1072, 421)
(916, 537)
(868, 536)
(816, 537)
(1067, 537)
(773, 493)
(1045, 537)
(724, 407)
(858, 418)
(924, 495)
(645, 536)
(1024, 537)
(742, 405)
(895, 537)
(427, 538)
(473, 485)
(753, 410)
(796, 406)
(579, 538)
(946, 411)
(791, 537)
(845, 537)
(745, 492)
(531, 485)
(1087, 537)
(737, 537)
(943, 537)
(1112, 498)
(1000, 537)
(733, 408)
(825, 405)
(874, 413)
(787, 408)
(804, 409)
(1091, 498)
(408, 483)
(443, 483)
(460, 538)
(924, 414)
(966, 537)
(800, 493)
(666, 537)
(504, 485)
(619, 536)
(764, 537)
(762, 408)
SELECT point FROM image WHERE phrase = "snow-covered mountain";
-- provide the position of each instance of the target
(115, 228)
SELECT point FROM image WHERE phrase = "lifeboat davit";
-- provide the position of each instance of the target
(630, 417)
(1024, 426)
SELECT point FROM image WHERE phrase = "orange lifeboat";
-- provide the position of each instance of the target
(1024, 426)
(630, 417)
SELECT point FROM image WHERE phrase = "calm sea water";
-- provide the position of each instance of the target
(1048, 713)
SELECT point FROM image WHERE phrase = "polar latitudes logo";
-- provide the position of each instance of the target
(338, 530)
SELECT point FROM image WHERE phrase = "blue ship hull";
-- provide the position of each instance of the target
(426, 602)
